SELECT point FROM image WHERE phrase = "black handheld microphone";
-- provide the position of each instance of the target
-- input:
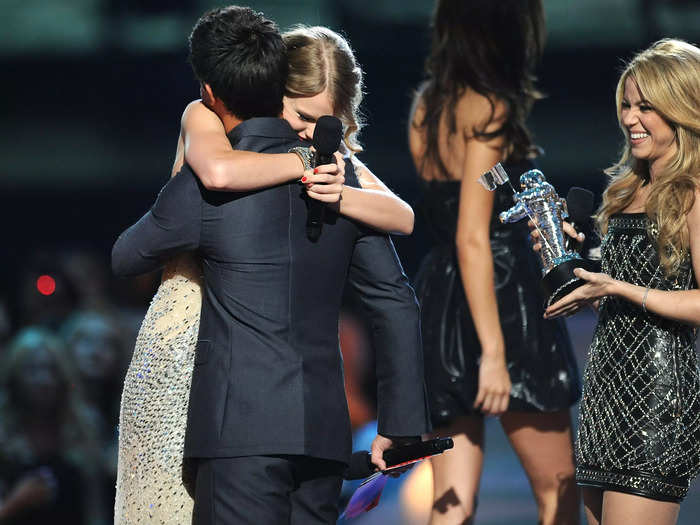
(326, 141)
(579, 202)
(361, 465)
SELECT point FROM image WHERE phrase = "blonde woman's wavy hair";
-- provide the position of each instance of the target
(320, 58)
(668, 77)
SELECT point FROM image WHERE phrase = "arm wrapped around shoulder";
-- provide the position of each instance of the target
(172, 225)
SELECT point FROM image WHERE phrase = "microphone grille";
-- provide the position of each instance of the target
(327, 134)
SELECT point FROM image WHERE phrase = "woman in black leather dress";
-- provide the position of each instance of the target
(488, 351)
(638, 446)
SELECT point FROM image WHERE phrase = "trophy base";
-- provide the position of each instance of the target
(560, 280)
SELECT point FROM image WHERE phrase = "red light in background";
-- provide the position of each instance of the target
(46, 285)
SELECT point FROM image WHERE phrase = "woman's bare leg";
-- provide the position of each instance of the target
(624, 509)
(543, 442)
(456, 473)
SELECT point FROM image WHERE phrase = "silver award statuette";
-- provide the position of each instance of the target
(539, 201)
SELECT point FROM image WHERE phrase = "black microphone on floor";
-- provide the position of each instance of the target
(361, 466)
(579, 202)
(327, 136)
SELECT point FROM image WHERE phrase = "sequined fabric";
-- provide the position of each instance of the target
(538, 352)
(639, 428)
(154, 403)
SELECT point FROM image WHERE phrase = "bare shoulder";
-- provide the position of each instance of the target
(196, 113)
(417, 110)
(365, 177)
(193, 107)
(475, 110)
(357, 163)
(693, 217)
(415, 119)
(416, 134)
(693, 229)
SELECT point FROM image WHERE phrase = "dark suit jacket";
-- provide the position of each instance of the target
(268, 375)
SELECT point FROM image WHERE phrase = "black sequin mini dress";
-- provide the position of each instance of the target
(539, 357)
(639, 428)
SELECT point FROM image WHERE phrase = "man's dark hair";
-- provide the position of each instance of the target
(241, 55)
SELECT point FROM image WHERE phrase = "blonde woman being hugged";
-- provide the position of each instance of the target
(324, 79)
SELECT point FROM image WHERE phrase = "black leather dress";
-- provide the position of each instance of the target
(540, 361)
(639, 427)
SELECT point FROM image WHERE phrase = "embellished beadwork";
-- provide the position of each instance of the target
(153, 412)
(640, 410)
(636, 482)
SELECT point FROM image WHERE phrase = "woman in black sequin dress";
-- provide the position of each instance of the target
(488, 351)
(638, 447)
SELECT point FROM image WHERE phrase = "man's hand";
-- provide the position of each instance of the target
(382, 443)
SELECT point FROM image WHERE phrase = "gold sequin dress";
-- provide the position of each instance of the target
(154, 403)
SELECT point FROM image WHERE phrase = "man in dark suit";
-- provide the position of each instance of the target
(268, 421)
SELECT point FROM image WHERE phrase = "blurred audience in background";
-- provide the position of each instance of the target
(95, 346)
(48, 449)
(64, 336)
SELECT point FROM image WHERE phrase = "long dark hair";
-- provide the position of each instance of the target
(491, 47)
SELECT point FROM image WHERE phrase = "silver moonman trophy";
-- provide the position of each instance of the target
(539, 201)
